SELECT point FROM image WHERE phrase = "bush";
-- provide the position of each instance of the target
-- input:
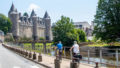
(25, 39)
(41, 38)
(9, 39)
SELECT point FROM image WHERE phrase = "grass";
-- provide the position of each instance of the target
(98, 45)
(104, 44)
(37, 45)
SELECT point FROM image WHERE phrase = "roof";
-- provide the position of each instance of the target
(46, 15)
(13, 9)
(33, 13)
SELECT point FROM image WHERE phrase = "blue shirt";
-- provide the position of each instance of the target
(59, 46)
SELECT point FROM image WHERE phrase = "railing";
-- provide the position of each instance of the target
(103, 56)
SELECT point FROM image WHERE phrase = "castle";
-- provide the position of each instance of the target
(30, 26)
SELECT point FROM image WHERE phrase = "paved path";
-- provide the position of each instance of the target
(49, 60)
(9, 59)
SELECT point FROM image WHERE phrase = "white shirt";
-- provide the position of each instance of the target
(76, 48)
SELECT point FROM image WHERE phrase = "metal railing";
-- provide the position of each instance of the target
(91, 55)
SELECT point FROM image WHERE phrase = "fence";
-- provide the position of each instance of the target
(104, 56)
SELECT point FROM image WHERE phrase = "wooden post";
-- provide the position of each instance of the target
(71, 55)
(39, 57)
(74, 64)
(57, 62)
(117, 58)
(26, 53)
(64, 52)
(33, 45)
(44, 43)
(100, 55)
(30, 54)
(96, 65)
(88, 56)
(34, 56)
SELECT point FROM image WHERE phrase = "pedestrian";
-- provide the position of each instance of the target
(76, 51)
(59, 48)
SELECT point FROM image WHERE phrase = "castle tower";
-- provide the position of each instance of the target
(35, 28)
(14, 17)
(47, 21)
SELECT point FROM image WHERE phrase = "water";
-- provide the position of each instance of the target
(92, 58)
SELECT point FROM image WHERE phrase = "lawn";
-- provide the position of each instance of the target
(104, 44)
(37, 45)
(98, 45)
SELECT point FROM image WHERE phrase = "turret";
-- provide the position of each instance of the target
(35, 27)
(32, 14)
(14, 17)
(47, 21)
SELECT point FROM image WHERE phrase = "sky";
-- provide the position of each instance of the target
(77, 10)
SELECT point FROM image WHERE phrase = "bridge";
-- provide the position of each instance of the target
(42, 59)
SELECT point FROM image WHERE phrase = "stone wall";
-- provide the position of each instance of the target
(26, 31)
(41, 32)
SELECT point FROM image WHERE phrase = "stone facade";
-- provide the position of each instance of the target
(30, 26)
(85, 26)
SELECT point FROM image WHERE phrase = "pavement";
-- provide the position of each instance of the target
(9, 59)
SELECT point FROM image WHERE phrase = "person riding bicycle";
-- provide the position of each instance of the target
(76, 51)
(59, 48)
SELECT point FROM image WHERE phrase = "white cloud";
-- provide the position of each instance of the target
(33, 6)
(38, 10)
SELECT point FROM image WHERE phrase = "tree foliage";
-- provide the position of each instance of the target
(25, 14)
(5, 23)
(107, 20)
(64, 30)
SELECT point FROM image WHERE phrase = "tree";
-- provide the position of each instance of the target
(5, 23)
(25, 14)
(64, 30)
(107, 20)
(82, 35)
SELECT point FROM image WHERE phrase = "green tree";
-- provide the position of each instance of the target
(25, 14)
(107, 20)
(82, 35)
(5, 23)
(64, 30)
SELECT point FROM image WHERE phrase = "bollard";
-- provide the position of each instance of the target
(21, 51)
(26, 53)
(57, 62)
(30, 54)
(73, 64)
(34, 56)
(96, 65)
(39, 57)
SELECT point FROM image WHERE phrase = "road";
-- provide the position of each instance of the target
(9, 59)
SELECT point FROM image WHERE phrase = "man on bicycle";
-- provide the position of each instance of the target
(59, 48)
(76, 52)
